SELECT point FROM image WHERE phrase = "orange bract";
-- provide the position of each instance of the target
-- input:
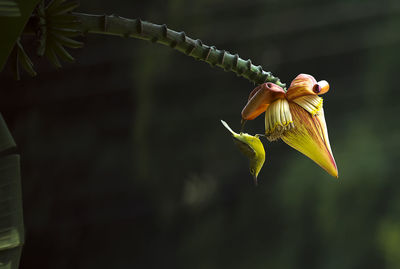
(260, 98)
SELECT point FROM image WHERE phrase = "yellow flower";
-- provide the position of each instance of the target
(295, 116)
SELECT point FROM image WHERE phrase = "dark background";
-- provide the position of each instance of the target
(125, 163)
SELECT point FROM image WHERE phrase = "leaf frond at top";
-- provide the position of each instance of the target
(9, 8)
(63, 9)
(58, 27)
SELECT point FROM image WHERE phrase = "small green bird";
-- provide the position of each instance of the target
(250, 146)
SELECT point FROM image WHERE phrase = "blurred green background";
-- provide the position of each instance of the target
(125, 163)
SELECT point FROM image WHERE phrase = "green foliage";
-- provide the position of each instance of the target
(11, 28)
(9, 8)
(57, 28)
(54, 26)
(21, 59)
(11, 220)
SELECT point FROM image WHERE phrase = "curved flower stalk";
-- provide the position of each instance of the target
(295, 116)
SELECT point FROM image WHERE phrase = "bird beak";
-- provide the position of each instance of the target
(255, 181)
(242, 124)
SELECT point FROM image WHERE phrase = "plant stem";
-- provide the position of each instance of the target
(136, 28)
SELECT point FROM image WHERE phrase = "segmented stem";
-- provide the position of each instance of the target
(136, 28)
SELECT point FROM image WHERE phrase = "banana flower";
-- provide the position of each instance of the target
(296, 117)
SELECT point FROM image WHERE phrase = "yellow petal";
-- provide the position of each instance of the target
(310, 137)
(311, 103)
(278, 119)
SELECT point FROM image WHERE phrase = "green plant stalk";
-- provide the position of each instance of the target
(136, 28)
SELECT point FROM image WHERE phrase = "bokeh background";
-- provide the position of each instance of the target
(125, 163)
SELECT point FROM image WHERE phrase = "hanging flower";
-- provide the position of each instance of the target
(295, 116)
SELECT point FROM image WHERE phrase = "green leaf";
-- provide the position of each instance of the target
(62, 52)
(6, 140)
(11, 28)
(42, 45)
(9, 8)
(65, 31)
(11, 219)
(63, 8)
(68, 42)
(52, 57)
(15, 64)
(71, 24)
(64, 18)
(54, 4)
(24, 60)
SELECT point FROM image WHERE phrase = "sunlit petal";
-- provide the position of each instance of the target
(302, 85)
(310, 137)
(311, 103)
(323, 87)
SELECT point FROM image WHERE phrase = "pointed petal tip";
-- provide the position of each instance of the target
(325, 160)
(333, 170)
(310, 137)
(334, 173)
(328, 165)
